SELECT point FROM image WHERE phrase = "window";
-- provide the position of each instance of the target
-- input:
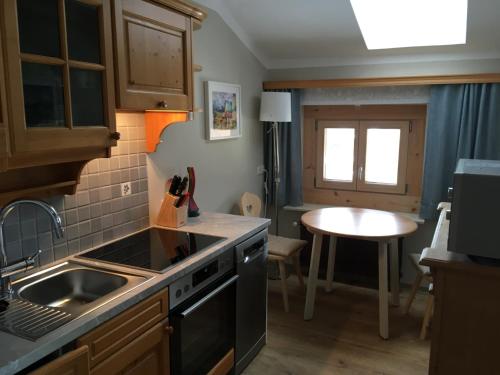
(362, 155)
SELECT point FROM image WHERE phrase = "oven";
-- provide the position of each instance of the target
(203, 316)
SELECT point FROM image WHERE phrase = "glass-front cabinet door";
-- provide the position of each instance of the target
(60, 71)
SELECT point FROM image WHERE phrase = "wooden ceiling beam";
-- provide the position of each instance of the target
(383, 81)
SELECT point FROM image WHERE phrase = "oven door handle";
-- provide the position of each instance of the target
(209, 296)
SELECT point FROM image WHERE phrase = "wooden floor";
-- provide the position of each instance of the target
(342, 338)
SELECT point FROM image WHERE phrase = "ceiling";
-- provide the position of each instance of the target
(314, 33)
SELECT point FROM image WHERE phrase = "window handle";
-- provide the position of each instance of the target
(360, 173)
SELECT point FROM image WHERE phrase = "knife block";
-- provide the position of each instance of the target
(171, 216)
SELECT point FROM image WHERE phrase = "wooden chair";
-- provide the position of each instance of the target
(280, 248)
(423, 274)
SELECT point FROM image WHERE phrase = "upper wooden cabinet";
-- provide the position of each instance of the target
(57, 82)
(60, 69)
(58, 65)
(153, 54)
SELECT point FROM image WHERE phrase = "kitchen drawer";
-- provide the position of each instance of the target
(111, 336)
(147, 354)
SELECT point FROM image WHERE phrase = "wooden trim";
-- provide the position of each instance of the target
(383, 81)
(157, 122)
(185, 7)
(108, 81)
(86, 65)
(224, 366)
(39, 59)
(68, 105)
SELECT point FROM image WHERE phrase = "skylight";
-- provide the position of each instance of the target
(411, 23)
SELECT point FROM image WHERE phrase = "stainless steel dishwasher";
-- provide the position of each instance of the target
(251, 299)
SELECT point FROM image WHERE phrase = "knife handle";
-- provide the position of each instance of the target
(176, 180)
(182, 187)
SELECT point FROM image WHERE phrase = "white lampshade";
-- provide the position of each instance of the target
(276, 107)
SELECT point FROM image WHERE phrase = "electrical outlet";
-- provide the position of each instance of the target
(261, 169)
(126, 189)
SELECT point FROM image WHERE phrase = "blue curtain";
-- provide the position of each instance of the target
(290, 145)
(463, 121)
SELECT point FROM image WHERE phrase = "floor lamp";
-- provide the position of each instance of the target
(276, 107)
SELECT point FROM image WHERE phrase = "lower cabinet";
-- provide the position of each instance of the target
(147, 354)
(134, 342)
(75, 362)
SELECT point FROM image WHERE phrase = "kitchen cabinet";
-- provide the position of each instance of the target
(3, 113)
(59, 92)
(154, 68)
(75, 362)
(136, 340)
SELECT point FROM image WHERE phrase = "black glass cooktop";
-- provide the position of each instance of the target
(153, 249)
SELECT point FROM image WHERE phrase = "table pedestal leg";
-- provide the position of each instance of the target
(394, 272)
(331, 263)
(383, 294)
(312, 279)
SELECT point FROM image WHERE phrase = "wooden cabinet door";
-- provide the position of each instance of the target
(153, 57)
(59, 64)
(147, 354)
(75, 362)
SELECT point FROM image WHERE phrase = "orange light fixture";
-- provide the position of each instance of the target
(157, 121)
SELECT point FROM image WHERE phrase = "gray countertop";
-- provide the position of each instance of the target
(17, 353)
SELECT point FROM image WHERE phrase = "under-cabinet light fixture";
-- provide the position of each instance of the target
(411, 23)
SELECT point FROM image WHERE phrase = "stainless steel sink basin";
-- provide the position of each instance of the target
(51, 298)
(76, 288)
(72, 289)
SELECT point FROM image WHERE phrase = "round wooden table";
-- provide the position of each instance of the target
(361, 223)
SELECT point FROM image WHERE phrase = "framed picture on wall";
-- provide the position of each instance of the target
(222, 108)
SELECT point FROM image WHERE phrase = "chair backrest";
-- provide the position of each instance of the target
(250, 205)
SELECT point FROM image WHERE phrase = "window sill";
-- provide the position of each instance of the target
(314, 206)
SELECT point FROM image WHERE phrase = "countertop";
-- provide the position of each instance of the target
(314, 206)
(438, 256)
(17, 353)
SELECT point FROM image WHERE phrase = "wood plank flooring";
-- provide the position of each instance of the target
(343, 336)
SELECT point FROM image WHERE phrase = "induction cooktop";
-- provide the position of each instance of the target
(153, 249)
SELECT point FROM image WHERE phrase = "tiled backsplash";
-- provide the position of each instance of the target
(98, 212)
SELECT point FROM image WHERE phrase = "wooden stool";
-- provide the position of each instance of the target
(280, 248)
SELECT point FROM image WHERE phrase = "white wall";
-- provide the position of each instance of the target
(224, 169)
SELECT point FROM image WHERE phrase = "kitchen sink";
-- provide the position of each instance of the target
(76, 288)
(50, 298)
(73, 289)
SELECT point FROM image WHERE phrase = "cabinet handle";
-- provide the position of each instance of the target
(115, 136)
(163, 104)
(169, 329)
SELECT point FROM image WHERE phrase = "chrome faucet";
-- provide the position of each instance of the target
(6, 270)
